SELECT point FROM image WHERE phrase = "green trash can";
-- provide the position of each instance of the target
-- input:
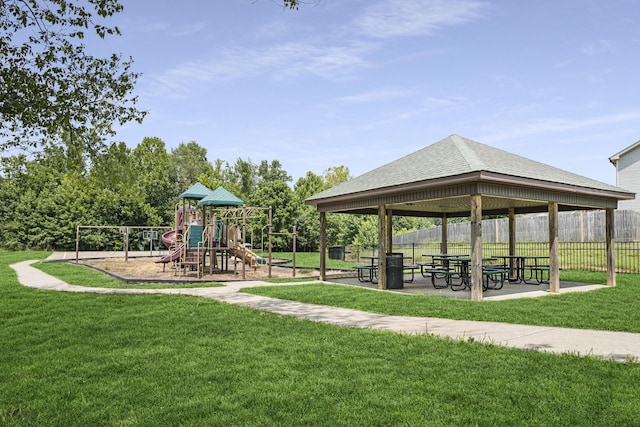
(394, 270)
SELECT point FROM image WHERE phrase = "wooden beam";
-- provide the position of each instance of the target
(476, 247)
(323, 246)
(382, 247)
(611, 254)
(554, 265)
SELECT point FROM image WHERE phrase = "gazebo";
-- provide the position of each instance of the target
(459, 177)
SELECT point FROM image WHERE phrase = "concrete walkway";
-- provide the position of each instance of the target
(617, 346)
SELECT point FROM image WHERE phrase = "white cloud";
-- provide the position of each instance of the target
(280, 61)
(334, 56)
(375, 95)
(393, 18)
(598, 47)
(152, 27)
(173, 30)
(556, 125)
(187, 30)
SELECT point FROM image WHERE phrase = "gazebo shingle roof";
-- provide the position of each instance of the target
(439, 179)
(453, 156)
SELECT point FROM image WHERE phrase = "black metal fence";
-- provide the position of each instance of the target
(586, 256)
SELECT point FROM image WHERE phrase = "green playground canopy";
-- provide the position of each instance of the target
(220, 197)
(207, 197)
(197, 191)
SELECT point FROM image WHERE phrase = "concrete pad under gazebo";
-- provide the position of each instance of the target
(458, 177)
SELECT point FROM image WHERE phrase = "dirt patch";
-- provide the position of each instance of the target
(146, 268)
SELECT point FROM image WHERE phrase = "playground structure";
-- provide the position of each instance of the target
(208, 236)
(210, 231)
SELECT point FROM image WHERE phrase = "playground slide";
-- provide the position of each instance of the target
(247, 256)
(173, 256)
(169, 240)
(239, 251)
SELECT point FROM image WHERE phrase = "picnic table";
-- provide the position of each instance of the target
(437, 267)
(368, 273)
(457, 274)
(519, 264)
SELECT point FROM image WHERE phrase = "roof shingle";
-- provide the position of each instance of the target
(456, 155)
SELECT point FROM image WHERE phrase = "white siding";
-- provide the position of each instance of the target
(628, 177)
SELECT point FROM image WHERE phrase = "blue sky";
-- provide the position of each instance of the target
(360, 83)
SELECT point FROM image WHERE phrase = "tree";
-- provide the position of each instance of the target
(272, 171)
(49, 85)
(279, 196)
(152, 163)
(244, 173)
(189, 162)
(221, 175)
(308, 219)
(336, 175)
(368, 232)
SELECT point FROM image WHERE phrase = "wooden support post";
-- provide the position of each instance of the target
(512, 231)
(476, 247)
(323, 246)
(512, 242)
(444, 243)
(382, 247)
(389, 236)
(611, 254)
(554, 265)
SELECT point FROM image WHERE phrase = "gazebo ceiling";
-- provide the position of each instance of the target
(461, 167)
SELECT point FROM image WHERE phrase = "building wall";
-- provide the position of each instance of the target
(628, 177)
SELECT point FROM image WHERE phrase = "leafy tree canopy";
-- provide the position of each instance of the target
(50, 85)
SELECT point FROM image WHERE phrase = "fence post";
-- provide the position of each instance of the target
(611, 260)
(554, 275)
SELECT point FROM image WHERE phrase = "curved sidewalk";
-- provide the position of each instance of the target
(617, 346)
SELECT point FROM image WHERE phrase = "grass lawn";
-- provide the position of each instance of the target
(311, 259)
(113, 360)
